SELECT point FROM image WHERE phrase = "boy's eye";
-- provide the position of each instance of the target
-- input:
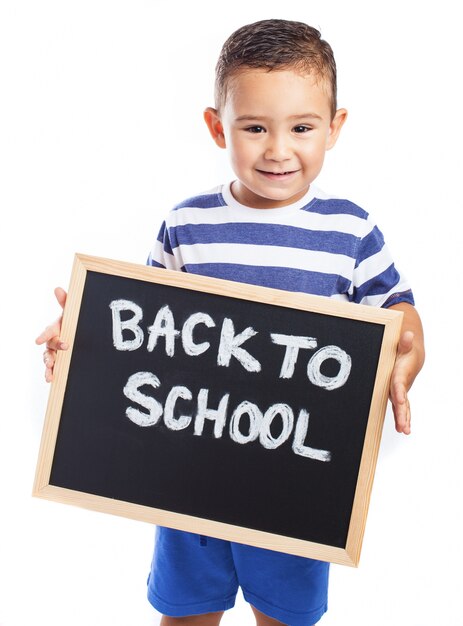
(255, 129)
(301, 129)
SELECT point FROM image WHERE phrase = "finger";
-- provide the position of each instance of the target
(398, 392)
(50, 331)
(55, 343)
(406, 342)
(49, 374)
(403, 419)
(400, 406)
(50, 336)
(407, 429)
(61, 296)
(49, 357)
(402, 413)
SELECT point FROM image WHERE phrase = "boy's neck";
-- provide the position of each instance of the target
(233, 198)
(247, 198)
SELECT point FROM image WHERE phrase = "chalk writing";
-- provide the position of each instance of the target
(271, 427)
(260, 423)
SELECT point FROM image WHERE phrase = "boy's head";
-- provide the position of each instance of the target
(276, 45)
(275, 110)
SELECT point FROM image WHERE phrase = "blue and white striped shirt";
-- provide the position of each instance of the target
(320, 245)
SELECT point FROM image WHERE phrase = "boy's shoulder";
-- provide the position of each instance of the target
(328, 204)
(203, 200)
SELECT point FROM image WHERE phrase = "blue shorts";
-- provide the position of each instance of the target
(192, 574)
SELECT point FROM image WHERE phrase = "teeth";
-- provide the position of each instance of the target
(277, 173)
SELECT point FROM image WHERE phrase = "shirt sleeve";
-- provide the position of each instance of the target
(161, 254)
(376, 280)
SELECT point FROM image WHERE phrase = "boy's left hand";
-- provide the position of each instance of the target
(401, 381)
(409, 361)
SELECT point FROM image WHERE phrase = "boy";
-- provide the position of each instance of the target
(276, 113)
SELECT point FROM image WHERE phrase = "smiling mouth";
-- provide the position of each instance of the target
(287, 173)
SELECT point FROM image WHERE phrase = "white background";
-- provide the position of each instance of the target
(101, 132)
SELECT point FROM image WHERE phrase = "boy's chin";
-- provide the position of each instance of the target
(263, 197)
(278, 199)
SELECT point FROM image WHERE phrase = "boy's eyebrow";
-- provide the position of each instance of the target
(263, 118)
(306, 115)
(243, 118)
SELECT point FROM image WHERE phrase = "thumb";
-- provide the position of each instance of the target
(61, 296)
(406, 342)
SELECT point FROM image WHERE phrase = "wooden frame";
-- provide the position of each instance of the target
(391, 320)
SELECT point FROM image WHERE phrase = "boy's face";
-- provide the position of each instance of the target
(277, 127)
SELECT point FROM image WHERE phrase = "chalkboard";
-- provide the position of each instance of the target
(235, 411)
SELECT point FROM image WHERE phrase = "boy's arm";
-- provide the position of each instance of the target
(409, 361)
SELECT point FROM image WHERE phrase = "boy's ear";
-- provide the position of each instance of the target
(335, 127)
(212, 119)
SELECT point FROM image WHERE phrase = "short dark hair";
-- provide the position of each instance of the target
(275, 45)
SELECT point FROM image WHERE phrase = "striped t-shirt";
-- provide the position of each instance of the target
(319, 245)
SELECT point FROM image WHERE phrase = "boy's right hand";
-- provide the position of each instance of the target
(50, 337)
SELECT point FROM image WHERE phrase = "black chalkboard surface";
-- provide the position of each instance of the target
(231, 410)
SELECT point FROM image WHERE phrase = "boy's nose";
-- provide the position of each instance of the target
(277, 149)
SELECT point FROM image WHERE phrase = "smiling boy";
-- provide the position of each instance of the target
(276, 114)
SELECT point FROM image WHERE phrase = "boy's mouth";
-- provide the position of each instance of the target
(277, 175)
